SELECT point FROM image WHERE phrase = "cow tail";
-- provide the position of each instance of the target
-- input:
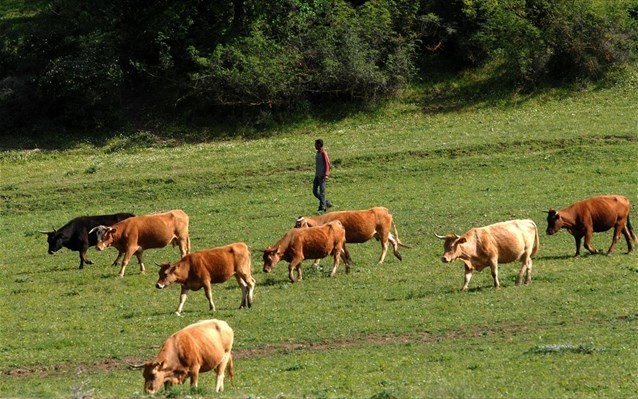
(537, 242)
(632, 233)
(396, 234)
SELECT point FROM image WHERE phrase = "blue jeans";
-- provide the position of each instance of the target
(319, 191)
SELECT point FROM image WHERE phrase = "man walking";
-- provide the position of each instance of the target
(322, 172)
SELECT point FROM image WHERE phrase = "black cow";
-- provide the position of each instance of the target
(75, 234)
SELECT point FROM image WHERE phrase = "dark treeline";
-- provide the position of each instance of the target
(87, 64)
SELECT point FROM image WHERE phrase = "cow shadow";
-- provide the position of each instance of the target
(553, 257)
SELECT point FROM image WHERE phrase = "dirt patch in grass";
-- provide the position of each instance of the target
(284, 347)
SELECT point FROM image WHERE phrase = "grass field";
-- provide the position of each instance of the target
(397, 330)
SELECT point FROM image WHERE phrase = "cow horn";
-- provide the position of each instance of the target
(300, 218)
(439, 237)
(44, 232)
(135, 366)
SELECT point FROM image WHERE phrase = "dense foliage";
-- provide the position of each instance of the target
(92, 64)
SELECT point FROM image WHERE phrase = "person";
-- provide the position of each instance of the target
(322, 172)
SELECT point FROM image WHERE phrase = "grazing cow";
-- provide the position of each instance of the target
(134, 235)
(197, 348)
(75, 234)
(210, 266)
(594, 215)
(310, 243)
(361, 226)
(503, 242)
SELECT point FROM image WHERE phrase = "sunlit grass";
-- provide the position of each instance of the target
(400, 329)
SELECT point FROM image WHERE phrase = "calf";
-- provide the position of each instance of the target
(211, 266)
(75, 234)
(361, 226)
(134, 235)
(594, 215)
(311, 243)
(503, 242)
(197, 348)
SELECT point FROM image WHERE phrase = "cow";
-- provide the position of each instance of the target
(503, 242)
(197, 348)
(594, 215)
(210, 266)
(75, 234)
(309, 243)
(134, 235)
(361, 226)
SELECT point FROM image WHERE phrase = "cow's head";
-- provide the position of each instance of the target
(271, 258)
(301, 222)
(104, 236)
(554, 222)
(166, 275)
(452, 247)
(155, 374)
(55, 240)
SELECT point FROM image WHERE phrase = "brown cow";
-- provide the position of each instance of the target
(210, 266)
(198, 348)
(310, 243)
(361, 226)
(503, 242)
(594, 215)
(134, 235)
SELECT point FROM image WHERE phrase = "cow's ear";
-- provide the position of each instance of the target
(461, 240)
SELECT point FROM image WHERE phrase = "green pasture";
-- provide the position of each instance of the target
(397, 330)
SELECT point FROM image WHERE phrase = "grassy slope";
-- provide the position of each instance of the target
(400, 329)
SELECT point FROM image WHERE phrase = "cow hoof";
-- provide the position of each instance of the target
(88, 262)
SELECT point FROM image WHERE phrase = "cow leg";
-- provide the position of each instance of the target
(494, 269)
(83, 258)
(395, 246)
(246, 290)
(194, 372)
(618, 228)
(627, 234)
(529, 271)
(127, 257)
(184, 246)
(117, 259)
(182, 298)
(384, 250)
(345, 255)
(468, 277)
(140, 260)
(336, 256)
(208, 291)
(577, 238)
(295, 264)
(251, 290)
(220, 371)
(588, 246)
(526, 267)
